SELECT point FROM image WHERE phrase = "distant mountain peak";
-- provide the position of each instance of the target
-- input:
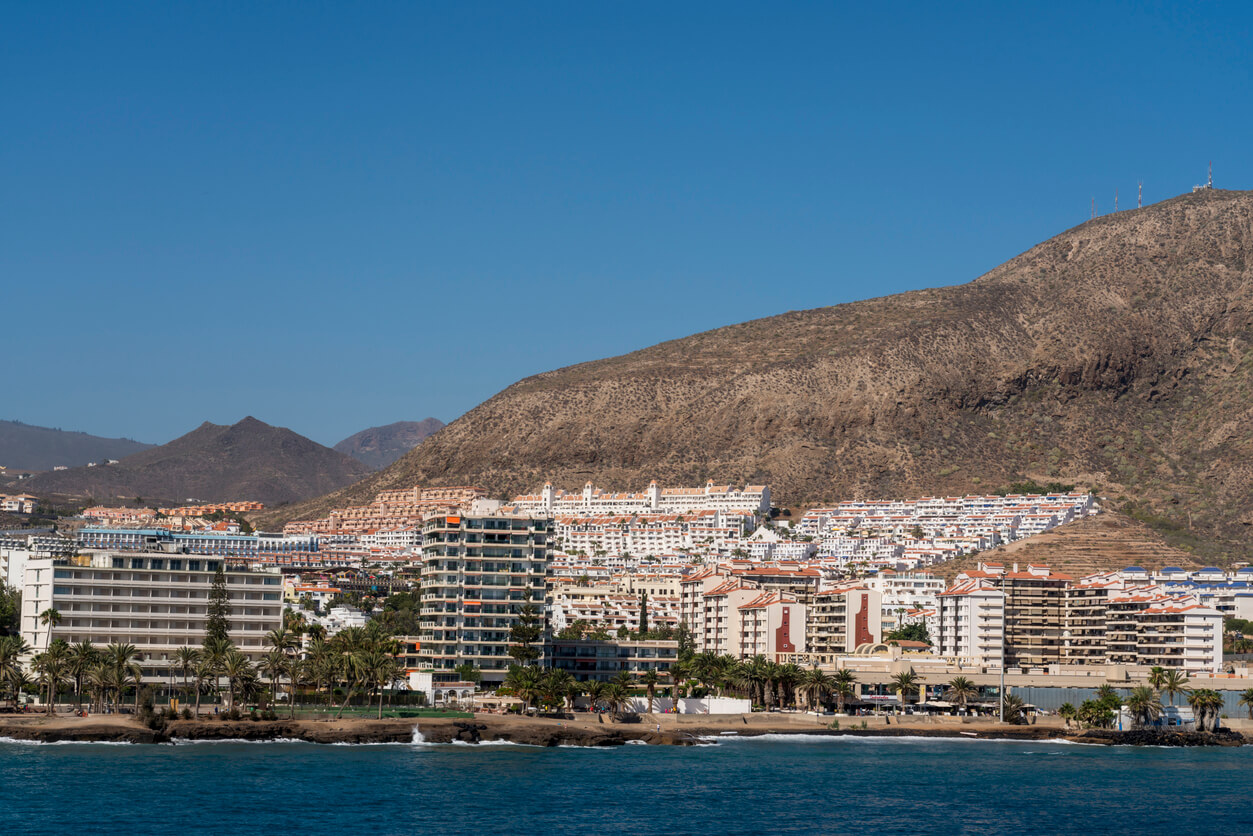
(378, 447)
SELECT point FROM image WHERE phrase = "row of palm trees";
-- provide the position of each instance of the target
(360, 660)
(1144, 703)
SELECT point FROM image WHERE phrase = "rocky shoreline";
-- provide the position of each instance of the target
(548, 733)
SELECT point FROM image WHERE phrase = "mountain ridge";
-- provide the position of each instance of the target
(248, 460)
(377, 447)
(1117, 354)
(29, 447)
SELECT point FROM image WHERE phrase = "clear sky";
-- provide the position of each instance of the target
(334, 216)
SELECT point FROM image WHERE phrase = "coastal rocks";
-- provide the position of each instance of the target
(1159, 737)
(102, 733)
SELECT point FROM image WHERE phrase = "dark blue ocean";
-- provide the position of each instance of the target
(814, 785)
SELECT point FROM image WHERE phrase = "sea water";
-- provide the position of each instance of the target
(733, 786)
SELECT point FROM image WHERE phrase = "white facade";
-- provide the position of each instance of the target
(971, 623)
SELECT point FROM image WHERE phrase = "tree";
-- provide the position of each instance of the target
(1144, 706)
(217, 626)
(1068, 713)
(643, 614)
(558, 687)
(1157, 675)
(1108, 697)
(678, 673)
(687, 644)
(50, 618)
(82, 656)
(186, 659)
(1174, 682)
(468, 673)
(903, 683)
(617, 698)
(650, 679)
(10, 610)
(1095, 714)
(284, 643)
(1246, 700)
(961, 691)
(12, 648)
(816, 685)
(916, 632)
(1015, 709)
(845, 687)
(526, 683)
(524, 634)
(1206, 704)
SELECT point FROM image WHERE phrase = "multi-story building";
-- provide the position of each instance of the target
(971, 622)
(477, 574)
(1181, 633)
(840, 621)
(157, 602)
(593, 501)
(215, 543)
(1034, 608)
(1085, 619)
(771, 624)
(600, 661)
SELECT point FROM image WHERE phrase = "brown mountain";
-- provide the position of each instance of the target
(378, 447)
(1117, 355)
(26, 447)
(248, 460)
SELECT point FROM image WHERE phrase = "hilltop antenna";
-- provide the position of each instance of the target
(1140, 196)
(1093, 212)
(1115, 200)
(1210, 183)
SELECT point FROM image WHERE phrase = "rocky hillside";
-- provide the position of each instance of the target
(249, 460)
(26, 447)
(378, 447)
(1117, 355)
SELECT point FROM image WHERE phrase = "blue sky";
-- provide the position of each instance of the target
(333, 216)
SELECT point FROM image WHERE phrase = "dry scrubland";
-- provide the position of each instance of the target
(1117, 355)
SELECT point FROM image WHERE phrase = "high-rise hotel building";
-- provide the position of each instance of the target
(477, 574)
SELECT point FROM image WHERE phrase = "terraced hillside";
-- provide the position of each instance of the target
(1095, 544)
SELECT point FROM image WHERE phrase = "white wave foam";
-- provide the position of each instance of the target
(65, 742)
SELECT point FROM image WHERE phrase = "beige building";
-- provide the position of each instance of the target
(840, 621)
(155, 601)
(771, 624)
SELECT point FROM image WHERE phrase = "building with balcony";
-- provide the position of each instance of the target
(477, 574)
(971, 622)
(157, 602)
(840, 621)
(600, 661)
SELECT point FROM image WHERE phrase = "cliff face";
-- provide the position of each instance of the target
(1117, 355)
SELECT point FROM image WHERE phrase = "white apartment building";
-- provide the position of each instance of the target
(972, 623)
(1181, 633)
(155, 601)
(906, 590)
(593, 501)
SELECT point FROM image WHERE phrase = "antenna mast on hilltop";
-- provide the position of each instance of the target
(1140, 195)
(1210, 183)
(1093, 214)
(1115, 200)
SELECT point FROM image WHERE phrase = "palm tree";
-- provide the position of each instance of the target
(845, 687)
(961, 690)
(617, 697)
(1206, 704)
(1157, 676)
(1015, 708)
(1108, 696)
(649, 680)
(82, 656)
(12, 648)
(1246, 700)
(903, 683)
(185, 660)
(787, 676)
(526, 682)
(1144, 706)
(205, 672)
(1174, 682)
(558, 687)
(238, 671)
(596, 693)
(274, 665)
(50, 618)
(1068, 713)
(678, 673)
(121, 658)
(379, 670)
(816, 685)
(285, 642)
